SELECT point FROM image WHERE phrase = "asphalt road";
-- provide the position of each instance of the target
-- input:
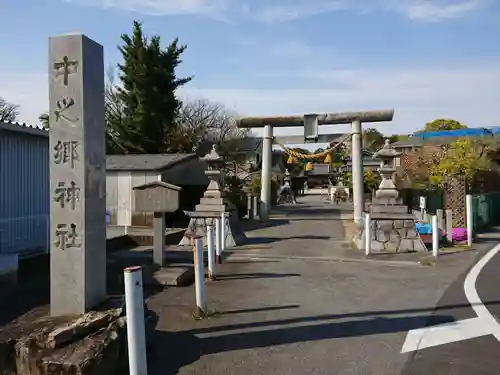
(479, 355)
(296, 315)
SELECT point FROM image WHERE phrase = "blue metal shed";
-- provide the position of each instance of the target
(24, 189)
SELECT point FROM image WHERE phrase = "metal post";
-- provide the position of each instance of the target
(158, 237)
(470, 218)
(211, 251)
(218, 241)
(199, 276)
(440, 216)
(357, 172)
(222, 233)
(255, 207)
(136, 335)
(265, 181)
(435, 236)
(449, 225)
(249, 207)
(368, 234)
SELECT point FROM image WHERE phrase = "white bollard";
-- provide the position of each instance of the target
(199, 276)
(218, 241)
(136, 335)
(211, 251)
(368, 234)
(470, 218)
(223, 232)
(435, 236)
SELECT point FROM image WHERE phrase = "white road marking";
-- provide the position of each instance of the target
(485, 323)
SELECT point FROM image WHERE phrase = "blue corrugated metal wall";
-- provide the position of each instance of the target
(24, 192)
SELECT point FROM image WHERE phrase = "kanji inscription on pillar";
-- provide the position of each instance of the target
(77, 146)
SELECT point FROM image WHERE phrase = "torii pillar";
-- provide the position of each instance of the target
(311, 122)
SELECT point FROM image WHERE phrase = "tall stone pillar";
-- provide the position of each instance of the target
(265, 181)
(357, 173)
(77, 175)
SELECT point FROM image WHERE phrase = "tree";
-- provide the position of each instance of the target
(373, 140)
(201, 123)
(44, 119)
(118, 135)
(8, 111)
(441, 124)
(371, 180)
(116, 139)
(148, 91)
(398, 137)
(462, 158)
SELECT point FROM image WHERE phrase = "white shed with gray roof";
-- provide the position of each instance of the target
(124, 172)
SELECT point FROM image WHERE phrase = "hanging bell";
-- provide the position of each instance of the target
(309, 166)
(328, 159)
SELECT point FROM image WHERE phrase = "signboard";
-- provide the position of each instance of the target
(422, 203)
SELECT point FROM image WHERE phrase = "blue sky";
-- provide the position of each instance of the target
(424, 58)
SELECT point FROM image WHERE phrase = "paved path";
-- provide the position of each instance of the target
(285, 306)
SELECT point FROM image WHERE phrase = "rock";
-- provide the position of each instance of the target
(90, 344)
(86, 324)
(174, 275)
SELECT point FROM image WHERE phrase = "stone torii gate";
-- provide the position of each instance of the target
(311, 123)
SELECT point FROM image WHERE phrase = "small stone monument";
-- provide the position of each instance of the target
(393, 227)
(286, 194)
(212, 205)
(339, 191)
(160, 198)
(77, 175)
(247, 189)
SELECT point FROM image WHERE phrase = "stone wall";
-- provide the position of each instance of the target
(393, 236)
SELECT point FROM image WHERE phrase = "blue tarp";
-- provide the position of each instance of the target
(459, 133)
(424, 228)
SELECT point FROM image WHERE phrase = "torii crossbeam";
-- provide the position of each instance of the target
(311, 122)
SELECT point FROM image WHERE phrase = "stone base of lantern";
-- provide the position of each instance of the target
(393, 229)
(233, 233)
(286, 195)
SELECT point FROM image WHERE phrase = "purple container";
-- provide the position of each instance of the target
(459, 234)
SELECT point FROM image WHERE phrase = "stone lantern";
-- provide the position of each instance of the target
(392, 225)
(286, 194)
(212, 205)
(386, 154)
(214, 173)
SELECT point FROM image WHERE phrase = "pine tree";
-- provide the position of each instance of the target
(148, 91)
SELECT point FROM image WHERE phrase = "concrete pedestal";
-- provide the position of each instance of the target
(393, 229)
(233, 233)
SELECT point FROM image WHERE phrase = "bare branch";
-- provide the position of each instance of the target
(8, 111)
(201, 122)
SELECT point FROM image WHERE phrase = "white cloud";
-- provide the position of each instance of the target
(284, 11)
(163, 7)
(469, 94)
(437, 10)
(272, 11)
